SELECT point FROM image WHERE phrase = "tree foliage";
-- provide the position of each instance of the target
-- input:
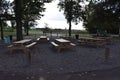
(32, 11)
(4, 14)
(72, 11)
(103, 15)
(26, 12)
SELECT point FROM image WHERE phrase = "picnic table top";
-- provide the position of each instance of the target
(22, 41)
(43, 36)
(62, 40)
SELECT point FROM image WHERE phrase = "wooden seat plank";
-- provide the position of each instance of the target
(54, 44)
(30, 45)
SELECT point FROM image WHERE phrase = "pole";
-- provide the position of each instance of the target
(107, 54)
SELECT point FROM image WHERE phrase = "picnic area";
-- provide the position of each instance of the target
(45, 59)
(59, 40)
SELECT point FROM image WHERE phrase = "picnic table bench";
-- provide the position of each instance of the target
(54, 44)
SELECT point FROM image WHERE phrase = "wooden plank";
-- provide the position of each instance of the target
(30, 45)
(54, 44)
(72, 44)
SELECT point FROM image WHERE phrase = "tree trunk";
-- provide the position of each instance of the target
(12, 24)
(70, 28)
(18, 16)
(27, 29)
(1, 27)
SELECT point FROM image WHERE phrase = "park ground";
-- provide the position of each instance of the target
(80, 63)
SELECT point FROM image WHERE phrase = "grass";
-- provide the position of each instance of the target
(64, 32)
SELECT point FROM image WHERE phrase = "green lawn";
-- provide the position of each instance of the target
(65, 32)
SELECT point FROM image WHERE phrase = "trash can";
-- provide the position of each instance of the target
(77, 36)
(7, 39)
(10, 37)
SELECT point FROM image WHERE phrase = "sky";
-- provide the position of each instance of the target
(55, 19)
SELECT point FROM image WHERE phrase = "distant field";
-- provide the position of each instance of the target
(57, 32)
(40, 32)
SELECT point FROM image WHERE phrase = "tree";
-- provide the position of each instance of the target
(46, 29)
(32, 11)
(27, 12)
(88, 14)
(114, 7)
(102, 15)
(18, 17)
(72, 11)
(4, 10)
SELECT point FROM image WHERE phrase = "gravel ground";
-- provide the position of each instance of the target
(46, 60)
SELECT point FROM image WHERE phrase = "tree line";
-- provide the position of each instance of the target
(102, 15)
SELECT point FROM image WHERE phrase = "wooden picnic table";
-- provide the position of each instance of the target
(43, 36)
(92, 41)
(22, 45)
(43, 39)
(107, 39)
(62, 41)
(62, 44)
(19, 44)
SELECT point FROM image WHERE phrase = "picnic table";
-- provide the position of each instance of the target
(22, 45)
(62, 44)
(92, 41)
(42, 39)
(62, 41)
(108, 40)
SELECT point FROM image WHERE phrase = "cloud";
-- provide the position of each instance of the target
(52, 12)
(54, 18)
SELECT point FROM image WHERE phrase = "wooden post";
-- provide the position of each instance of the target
(107, 53)
(29, 56)
(28, 53)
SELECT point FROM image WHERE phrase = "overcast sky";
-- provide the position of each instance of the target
(54, 18)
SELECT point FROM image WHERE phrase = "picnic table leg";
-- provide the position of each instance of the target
(107, 54)
(29, 56)
(27, 51)
(59, 49)
(11, 50)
